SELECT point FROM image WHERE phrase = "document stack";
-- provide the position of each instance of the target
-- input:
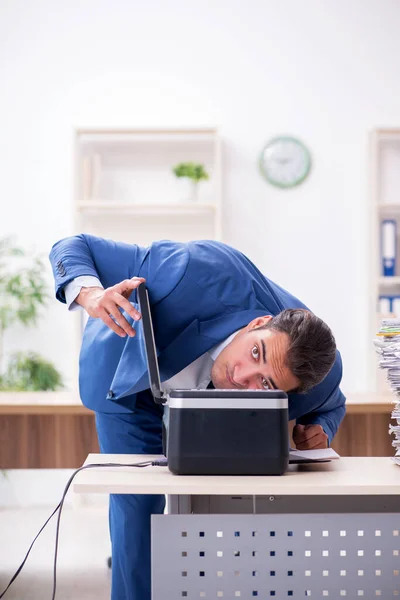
(387, 346)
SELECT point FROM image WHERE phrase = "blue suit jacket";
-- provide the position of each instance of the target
(200, 292)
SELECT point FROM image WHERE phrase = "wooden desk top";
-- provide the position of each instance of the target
(354, 476)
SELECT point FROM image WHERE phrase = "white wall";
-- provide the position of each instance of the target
(326, 71)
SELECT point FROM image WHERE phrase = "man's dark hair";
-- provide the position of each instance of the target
(312, 347)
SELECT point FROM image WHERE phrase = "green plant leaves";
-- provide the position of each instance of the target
(191, 170)
(21, 293)
(30, 372)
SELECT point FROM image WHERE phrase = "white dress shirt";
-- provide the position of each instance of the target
(197, 375)
(73, 288)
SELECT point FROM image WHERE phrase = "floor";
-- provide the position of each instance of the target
(82, 572)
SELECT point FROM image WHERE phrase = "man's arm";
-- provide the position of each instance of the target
(87, 255)
(312, 429)
(330, 416)
(326, 402)
(119, 268)
(80, 266)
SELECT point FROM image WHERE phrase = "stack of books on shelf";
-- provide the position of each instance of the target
(387, 345)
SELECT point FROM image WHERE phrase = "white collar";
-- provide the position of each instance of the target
(216, 350)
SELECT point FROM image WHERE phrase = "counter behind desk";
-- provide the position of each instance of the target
(47, 430)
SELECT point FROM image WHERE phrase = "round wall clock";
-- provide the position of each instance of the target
(285, 161)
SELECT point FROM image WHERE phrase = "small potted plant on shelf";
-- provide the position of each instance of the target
(191, 173)
(22, 294)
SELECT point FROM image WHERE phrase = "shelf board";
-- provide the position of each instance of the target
(392, 207)
(183, 209)
(103, 136)
(388, 281)
(389, 135)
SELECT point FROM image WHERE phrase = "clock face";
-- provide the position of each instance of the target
(285, 162)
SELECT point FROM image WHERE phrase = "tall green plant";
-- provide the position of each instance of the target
(22, 294)
(30, 372)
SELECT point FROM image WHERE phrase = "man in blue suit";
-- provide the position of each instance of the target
(216, 319)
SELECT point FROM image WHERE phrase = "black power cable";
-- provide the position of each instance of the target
(148, 463)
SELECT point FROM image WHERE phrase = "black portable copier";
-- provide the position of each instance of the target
(219, 432)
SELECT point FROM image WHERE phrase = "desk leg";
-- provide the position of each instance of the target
(179, 505)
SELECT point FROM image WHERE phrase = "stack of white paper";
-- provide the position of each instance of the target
(387, 345)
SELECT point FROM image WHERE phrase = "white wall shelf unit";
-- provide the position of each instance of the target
(145, 209)
(385, 204)
(389, 281)
(126, 188)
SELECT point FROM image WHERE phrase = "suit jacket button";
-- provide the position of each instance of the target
(110, 395)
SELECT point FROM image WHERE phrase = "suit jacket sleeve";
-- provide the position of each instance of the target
(163, 264)
(329, 418)
(108, 261)
(330, 400)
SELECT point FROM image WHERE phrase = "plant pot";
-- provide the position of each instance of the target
(188, 189)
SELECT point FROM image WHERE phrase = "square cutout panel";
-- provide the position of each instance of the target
(280, 555)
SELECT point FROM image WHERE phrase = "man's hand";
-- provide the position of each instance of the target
(102, 304)
(309, 437)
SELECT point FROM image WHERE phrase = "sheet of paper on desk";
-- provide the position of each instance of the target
(312, 455)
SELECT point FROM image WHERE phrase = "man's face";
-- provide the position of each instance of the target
(254, 360)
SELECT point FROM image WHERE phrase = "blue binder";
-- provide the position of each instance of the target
(396, 306)
(388, 247)
(385, 305)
